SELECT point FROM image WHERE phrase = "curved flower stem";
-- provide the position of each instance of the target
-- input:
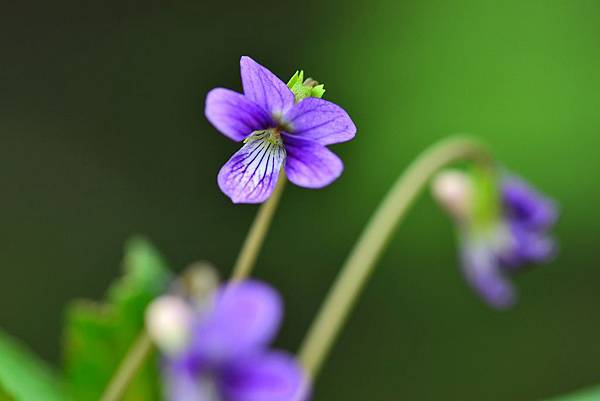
(137, 354)
(373, 241)
(253, 243)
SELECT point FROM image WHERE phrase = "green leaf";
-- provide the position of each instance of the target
(589, 394)
(23, 376)
(97, 336)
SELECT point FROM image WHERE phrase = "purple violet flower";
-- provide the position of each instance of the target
(277, 132)
(518, 236)
(226, 355)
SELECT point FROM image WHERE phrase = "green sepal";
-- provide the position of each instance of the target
(318, 91)
(296, 80)
(305, 88)
(486, 202)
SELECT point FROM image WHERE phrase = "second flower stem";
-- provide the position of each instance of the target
(373, 241)
(136, 356)
(256, 236)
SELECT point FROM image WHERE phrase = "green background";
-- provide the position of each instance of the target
(102, 135)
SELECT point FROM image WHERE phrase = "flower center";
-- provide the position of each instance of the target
(282, 125)
(272, 136)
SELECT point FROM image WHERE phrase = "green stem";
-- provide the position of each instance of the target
(256, 236)
(137, 354)
(373, 241)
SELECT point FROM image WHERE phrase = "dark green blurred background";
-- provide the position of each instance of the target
(102, 135)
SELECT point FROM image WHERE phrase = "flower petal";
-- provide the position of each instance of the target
(481, 271)
(251, 174)
(182, 382)
(272, 376)
(527, 246)
(310, 164)
(184, 387)
(321, 121)
(246, 316)
(264, 88)
(527, 205)
(235, 115)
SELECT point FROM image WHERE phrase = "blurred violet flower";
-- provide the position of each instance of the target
(529, 215)
(493, 248)
(279, 130)
(225, 355)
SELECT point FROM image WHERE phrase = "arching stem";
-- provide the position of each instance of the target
(373, 241)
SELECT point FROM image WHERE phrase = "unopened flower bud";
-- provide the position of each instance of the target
(168, 321)
(453, 189)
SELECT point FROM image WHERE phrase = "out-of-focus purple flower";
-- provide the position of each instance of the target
(526, 206)
(277, 132)
(227, 356)
(529, 216)
(516, 236)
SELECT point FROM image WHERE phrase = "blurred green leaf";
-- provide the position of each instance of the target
(97, 336)
(23, 376)
(590, 394)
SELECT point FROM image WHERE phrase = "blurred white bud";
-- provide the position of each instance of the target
(453, 190)
(168, 321)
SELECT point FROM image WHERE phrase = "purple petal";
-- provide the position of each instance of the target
(527, 246)
(481, 271)
(321, 121)
(182, 382)
(251, 174)
(272, 376)
(264, 88)
(310, 164)
(525, 204)
(246, 316)
(184, 387)
(235, 115)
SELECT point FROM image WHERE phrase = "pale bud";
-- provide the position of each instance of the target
(453, 190)
(168, 321)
